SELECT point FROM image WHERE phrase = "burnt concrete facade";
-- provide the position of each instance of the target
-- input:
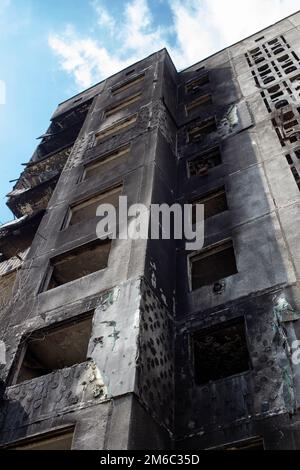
(184, 350)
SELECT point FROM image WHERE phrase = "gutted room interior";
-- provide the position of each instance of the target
(220, 352)
(198, 103)
(105, 163)
(63, 131)
(46, 351)
(86, 210)
(215, 202)
(120, 126)
(127, 84)
(212, 264)
(201, 164)
(195, 85)
(77, 263)
(203, 128)
(112, 110)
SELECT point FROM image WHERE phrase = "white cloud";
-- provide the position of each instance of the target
(200, 28)
(85, 59)
(206, 26)
(90, 61)
(105, 19)
(139, 33)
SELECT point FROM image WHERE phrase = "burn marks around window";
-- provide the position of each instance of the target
(77, 263)
(215, 202)
(220, 352)
(212, 265)
(227, 121)
(202, 163)
(196, 85)
(286, 122)
(57, 347)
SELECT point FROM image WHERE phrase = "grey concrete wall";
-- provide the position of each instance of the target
(263, 201)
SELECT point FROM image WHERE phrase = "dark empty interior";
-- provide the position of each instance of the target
(220, 352)
(57, 348)
(87, 210)
(107, 163)
(201, 164)
(123, 104)
(125, 85)
(195, 85)
(78, 263)
(202, 129)
(202, 100)
(115, 129)
(63, 130)
(214, 202)
(213, 265)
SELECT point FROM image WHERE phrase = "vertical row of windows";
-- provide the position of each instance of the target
(222, 351)
(66, 344)
(216, 262)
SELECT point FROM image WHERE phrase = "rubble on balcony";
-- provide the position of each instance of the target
(62, 132)
(24, 198)
(32, 200)
(34, 189)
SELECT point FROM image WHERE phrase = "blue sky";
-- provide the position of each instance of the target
(52, 49)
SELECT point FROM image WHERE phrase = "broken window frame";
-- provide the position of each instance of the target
(199, 102)
(213, 152)
(117, 187)
(116, 128)
(204, 79)
(127, 84)
(195, 134)
(205, 253)
(121, 105)
(42, 332)
(44, 287)
(209, 196)
(124, 150)
(218, 327)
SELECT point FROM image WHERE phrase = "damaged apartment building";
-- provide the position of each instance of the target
(140, 344)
